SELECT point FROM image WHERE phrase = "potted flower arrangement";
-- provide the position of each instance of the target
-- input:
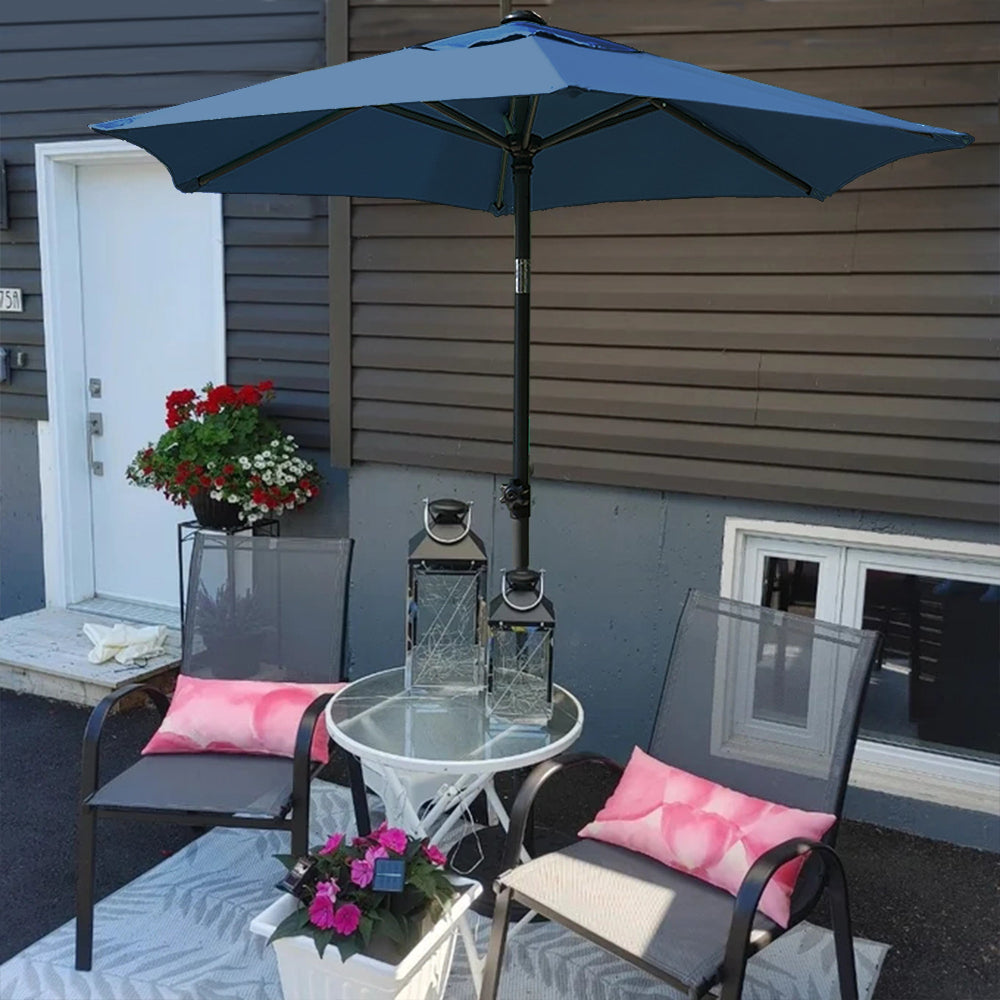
(221, 455)
(386, 905)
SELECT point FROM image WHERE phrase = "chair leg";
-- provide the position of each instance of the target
(300, 828)
(85, 839)
(843, 936)
(498, 942)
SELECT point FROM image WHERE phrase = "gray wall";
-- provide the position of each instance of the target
(22, 578)
(619, 563)
(71, 64)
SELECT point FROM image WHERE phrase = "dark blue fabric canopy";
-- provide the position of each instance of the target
(519, 117)
(371, 128)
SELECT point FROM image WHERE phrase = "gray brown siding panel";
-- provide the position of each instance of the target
(845, 353)
(74, 64)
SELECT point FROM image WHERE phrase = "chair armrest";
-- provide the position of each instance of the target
(752, 888)
(520, 812)
(95, 727)
(301, 763)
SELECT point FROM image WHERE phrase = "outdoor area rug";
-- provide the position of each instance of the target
(180, 932)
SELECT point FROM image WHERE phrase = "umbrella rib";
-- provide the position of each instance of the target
(470, 123)
(623, 112)
(479, 134)
(707, 130)
(255, 154)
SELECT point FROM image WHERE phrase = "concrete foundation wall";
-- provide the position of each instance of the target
(619, 563)
(22, 577)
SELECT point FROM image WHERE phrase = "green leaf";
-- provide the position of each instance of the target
(392, 926)
(321, 939)
(348, 946)
(288, 860)
(291, 926)
(365, 928)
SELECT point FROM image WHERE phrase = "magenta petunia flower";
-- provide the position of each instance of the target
(393, 839)
(346, 919)
(362, 872)
(321, 911)
(434, 856)
(374, 853)
(333, 842)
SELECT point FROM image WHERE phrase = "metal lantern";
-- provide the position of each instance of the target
(446, 599)
(519, 671)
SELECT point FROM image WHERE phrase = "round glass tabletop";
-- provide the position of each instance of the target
(375, 717)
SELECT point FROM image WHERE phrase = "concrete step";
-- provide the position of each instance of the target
(45, 653)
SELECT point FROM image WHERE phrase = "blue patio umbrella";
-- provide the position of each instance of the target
(518, 117)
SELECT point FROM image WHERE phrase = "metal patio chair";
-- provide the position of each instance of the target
(762, 701)
(258, 608)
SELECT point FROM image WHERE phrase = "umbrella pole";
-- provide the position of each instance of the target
(517, 494)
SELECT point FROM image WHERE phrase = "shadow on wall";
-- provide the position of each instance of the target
(616, 595)
(325, 516)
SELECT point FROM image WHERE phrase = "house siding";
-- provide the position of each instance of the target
(841, 354)
(74, 64)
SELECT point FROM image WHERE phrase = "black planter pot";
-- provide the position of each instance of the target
(218, 514)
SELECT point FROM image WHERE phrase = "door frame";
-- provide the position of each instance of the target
(67, 536)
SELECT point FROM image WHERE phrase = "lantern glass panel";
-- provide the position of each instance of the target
(520, 675)
(446, 600)
(444, 627)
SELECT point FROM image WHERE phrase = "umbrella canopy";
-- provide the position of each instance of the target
(518, 117)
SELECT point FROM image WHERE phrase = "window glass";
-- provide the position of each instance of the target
(790, 585)
(938, 685)
(782, 678)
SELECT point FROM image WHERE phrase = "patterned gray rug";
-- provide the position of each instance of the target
(180, 933)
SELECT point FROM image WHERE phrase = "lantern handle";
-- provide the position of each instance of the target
(518, 607)
(447, 541)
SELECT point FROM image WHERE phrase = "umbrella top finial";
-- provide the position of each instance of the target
(523, 15)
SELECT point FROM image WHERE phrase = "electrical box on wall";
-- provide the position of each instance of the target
(10, 359)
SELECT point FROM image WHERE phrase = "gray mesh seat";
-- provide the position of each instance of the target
(660, 919)
(761, 701)
(257, 608)
(224, 784)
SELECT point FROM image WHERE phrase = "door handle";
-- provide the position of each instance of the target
(95, 428)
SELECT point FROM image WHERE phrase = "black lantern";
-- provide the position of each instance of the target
(519, 672)
(446, 599)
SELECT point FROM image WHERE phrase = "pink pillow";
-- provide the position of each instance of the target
(704, 829)
(259, 717)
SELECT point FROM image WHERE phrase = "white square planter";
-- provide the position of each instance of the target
(421, 975)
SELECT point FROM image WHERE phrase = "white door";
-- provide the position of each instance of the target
(150, 265)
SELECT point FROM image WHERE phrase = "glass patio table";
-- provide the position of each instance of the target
(429, 753)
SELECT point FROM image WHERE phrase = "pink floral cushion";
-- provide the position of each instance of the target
(704, 829)
(258, 717)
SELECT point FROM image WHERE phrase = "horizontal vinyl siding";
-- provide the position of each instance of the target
(845, 353)
(80, 63)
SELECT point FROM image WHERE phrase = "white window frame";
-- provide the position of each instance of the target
(845, 555)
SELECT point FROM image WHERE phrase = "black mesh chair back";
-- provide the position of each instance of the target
(763, 701)
(262, 608)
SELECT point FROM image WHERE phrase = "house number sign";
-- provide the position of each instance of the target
(10, 300)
